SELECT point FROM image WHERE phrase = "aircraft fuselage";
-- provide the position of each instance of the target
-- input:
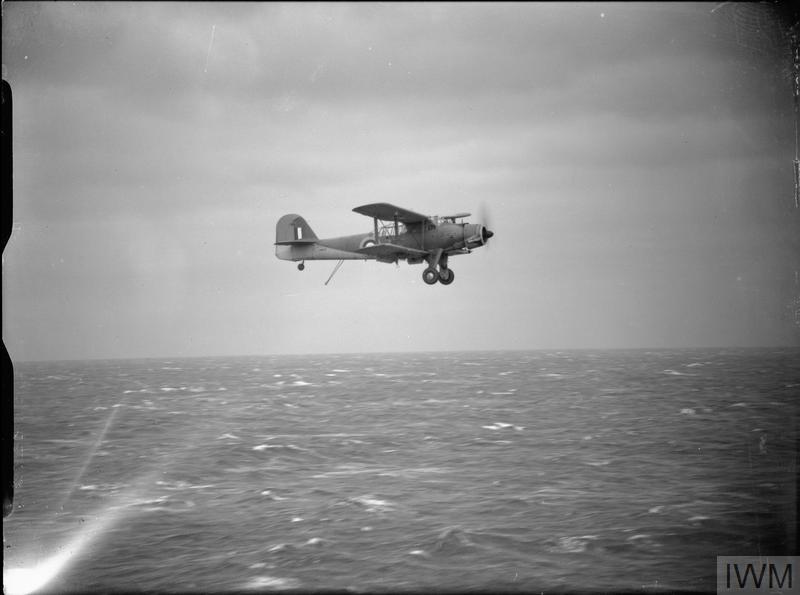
(451, 238)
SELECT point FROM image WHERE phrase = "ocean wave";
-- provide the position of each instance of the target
(451, 540)
(413, 472)
(372, 504)
(573, 545)
(290, 447)
(271, 582)
(666, 486)
(601, 463)
(499, 425)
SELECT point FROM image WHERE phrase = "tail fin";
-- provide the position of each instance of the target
(293, 230)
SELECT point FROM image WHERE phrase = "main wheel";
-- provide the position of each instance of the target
(446, 276)
(430, 276)
(301, 266)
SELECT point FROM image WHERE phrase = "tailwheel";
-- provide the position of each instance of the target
(446, 276)
(430, 276)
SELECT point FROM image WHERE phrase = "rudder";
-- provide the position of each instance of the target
(292, 230)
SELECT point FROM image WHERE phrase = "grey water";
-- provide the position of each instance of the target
(515, 471)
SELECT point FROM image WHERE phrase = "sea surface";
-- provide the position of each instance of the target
(514, 471)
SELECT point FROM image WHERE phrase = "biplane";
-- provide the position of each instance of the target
(397, 234)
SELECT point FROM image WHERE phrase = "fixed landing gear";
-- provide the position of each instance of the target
(301, 266)
(446, 276)
(430, 275)
(438, 271)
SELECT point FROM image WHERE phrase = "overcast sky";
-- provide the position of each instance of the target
(635, 160)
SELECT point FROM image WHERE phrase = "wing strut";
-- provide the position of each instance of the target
(336, 268)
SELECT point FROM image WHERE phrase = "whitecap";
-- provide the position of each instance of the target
(738, 405)
(272, 582)
(419, 553)
(501, 425)
(278, 547)
(159, 500)
(656, 509)
(230, 436)
(573, 545)
(687, 411)
(315, 541)
(697, 518)
(597, 463)
(296, 519)
(638, 537)
(372, 504)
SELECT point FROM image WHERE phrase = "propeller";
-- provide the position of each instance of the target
(486, 221)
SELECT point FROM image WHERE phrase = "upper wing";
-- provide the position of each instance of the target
(456, 216)
(387, 212)
(390, 250)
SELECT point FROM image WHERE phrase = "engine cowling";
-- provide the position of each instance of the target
(476, 235)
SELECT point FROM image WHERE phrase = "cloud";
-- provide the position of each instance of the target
(623, 153)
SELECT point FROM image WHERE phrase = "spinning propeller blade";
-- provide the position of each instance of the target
(486, 221)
